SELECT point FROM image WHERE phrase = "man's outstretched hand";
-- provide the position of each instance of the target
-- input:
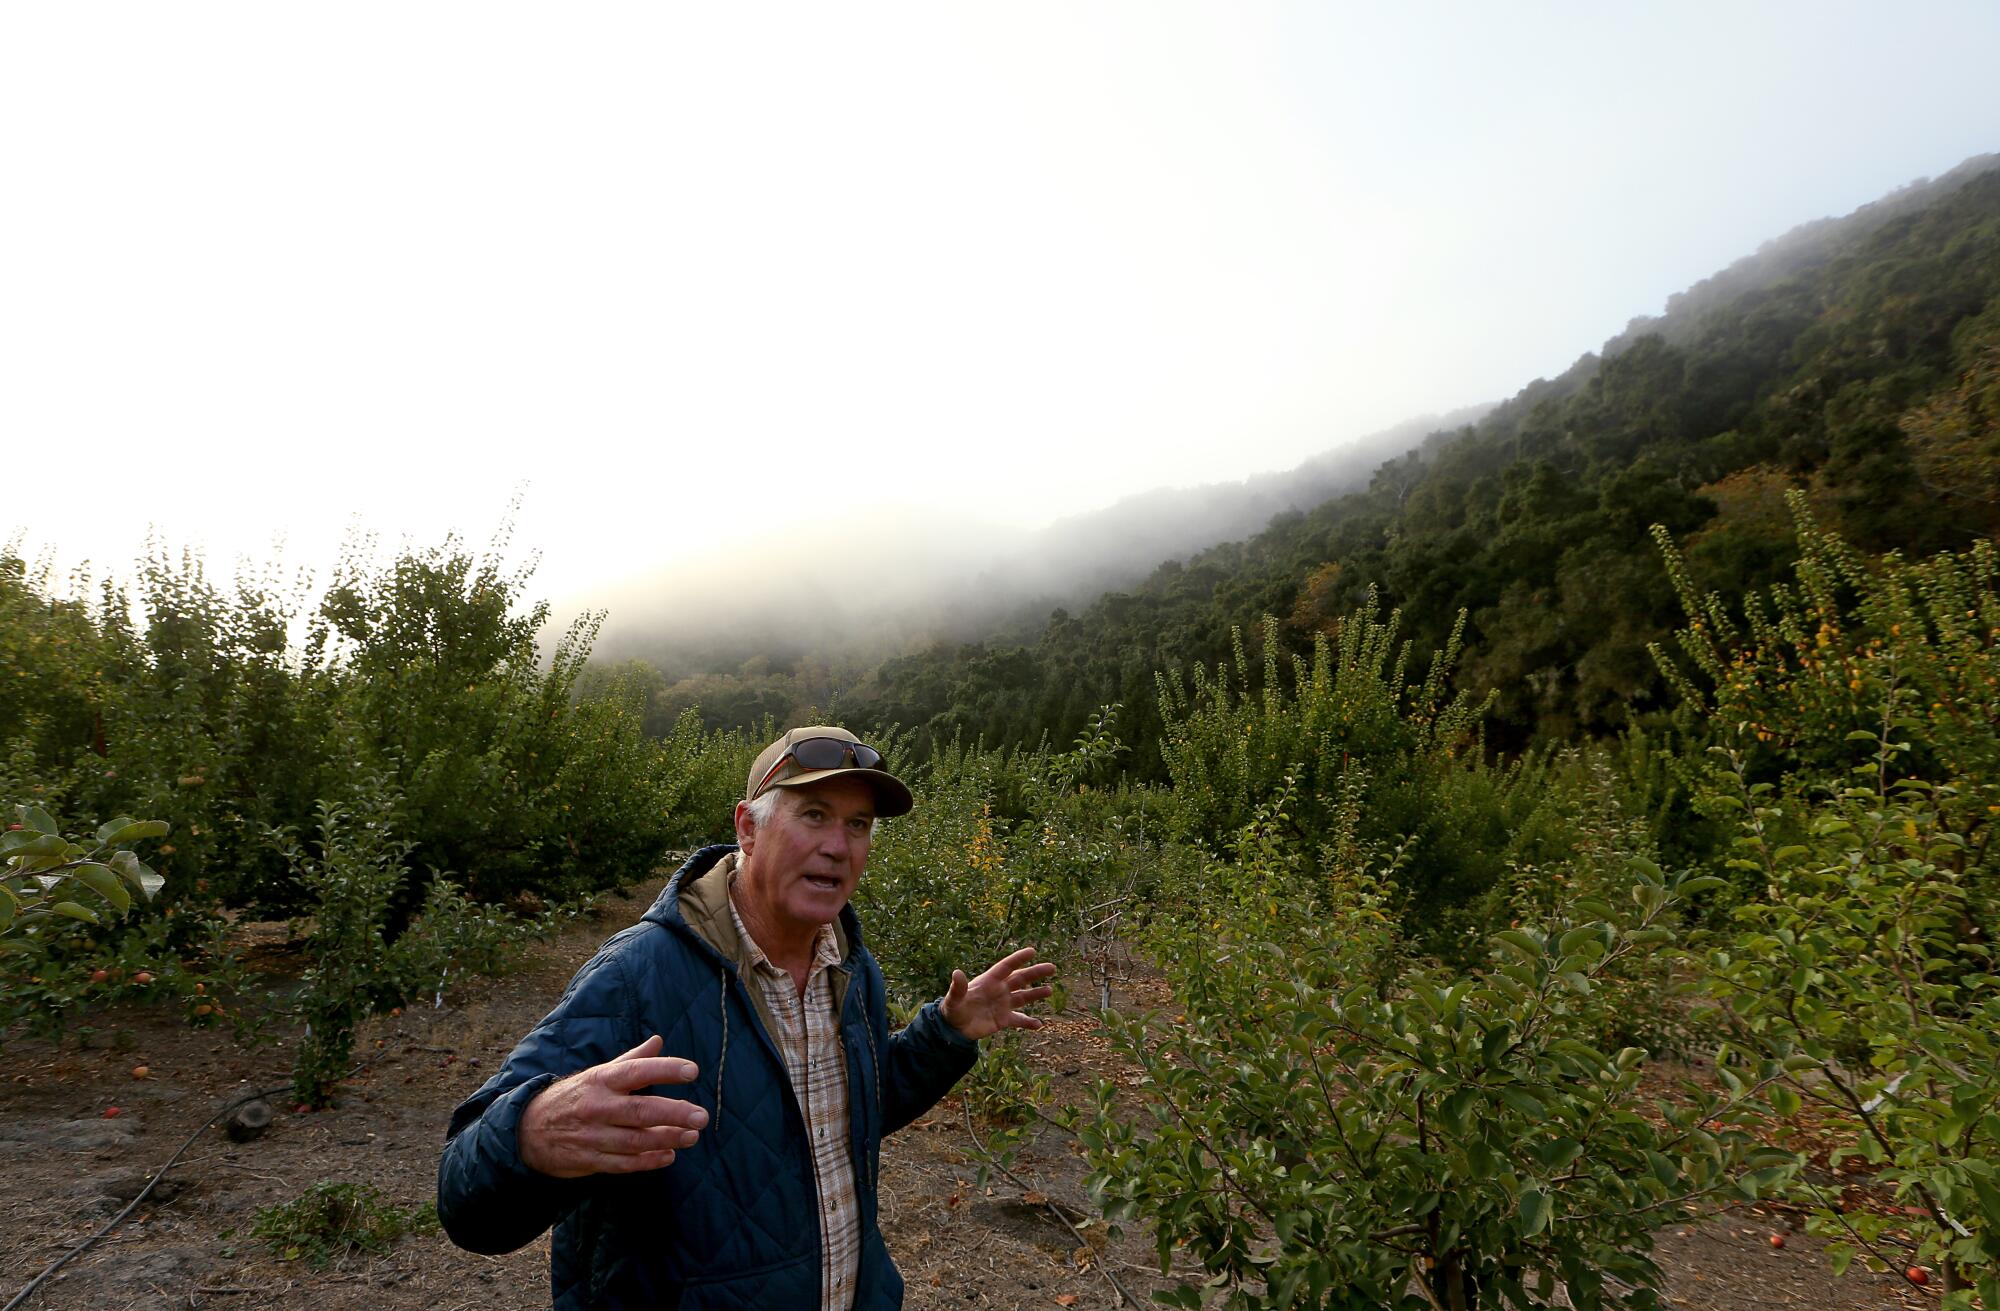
(983, 1006)
(597, 1121)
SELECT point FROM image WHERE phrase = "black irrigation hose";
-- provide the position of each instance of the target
(21, 1297)
(131, 1206)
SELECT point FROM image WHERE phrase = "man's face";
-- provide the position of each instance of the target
(803, 864)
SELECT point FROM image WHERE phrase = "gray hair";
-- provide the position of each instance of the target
(763, 806)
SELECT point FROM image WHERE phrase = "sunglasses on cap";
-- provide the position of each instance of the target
(821, 753)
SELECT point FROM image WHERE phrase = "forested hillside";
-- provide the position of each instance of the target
(767, 641)
(1858, 359)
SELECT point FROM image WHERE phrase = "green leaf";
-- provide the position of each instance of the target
(104, 883)
(1520, 942)
(1559, 1153)
(121, 831)
(75, 912)
(1581, 1050)
(1458, 1109)
(1574, 940)
(36, 819)
(1759, 1182)
(1536, 1207)
(134, 871)
(1523, 1101)
(42, 851)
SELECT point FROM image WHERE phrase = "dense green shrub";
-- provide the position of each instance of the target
(66, 973)
(1857, 724)
(504, 774)
(405, 717)
(1328, 1129)
(1000, 851)
(44, 873)
(1867, 968)
(359, 872)
(198, 715)
(228, 713)
(1805, 681)
(1587, 824)
(55, 890)
(937, 886)
(1232, 739)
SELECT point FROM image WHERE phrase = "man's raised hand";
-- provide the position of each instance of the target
(597, 1121)
(983, 1006)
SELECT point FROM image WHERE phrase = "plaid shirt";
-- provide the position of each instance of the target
(810, 1043)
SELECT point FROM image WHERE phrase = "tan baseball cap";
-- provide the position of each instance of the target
(778, 766)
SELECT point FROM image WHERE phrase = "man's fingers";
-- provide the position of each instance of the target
(640, 1112)
(1014, 960)
(1034, 973)
(630, 1073)
(650, 1047)
(609, 1140)
(633, 1164)
(1022, 996)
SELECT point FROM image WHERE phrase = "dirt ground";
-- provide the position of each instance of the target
(959, 1244)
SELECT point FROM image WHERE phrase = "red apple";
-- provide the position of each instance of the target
(141, 1071)
(112, 1112)
(1777, 1240)
(99, 976)
(142, 977)
(1917, 1275)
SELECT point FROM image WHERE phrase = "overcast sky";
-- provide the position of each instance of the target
(693, 275)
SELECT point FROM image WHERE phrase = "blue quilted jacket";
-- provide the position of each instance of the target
(733, 1222)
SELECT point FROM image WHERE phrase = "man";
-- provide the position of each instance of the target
(701, 1116)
